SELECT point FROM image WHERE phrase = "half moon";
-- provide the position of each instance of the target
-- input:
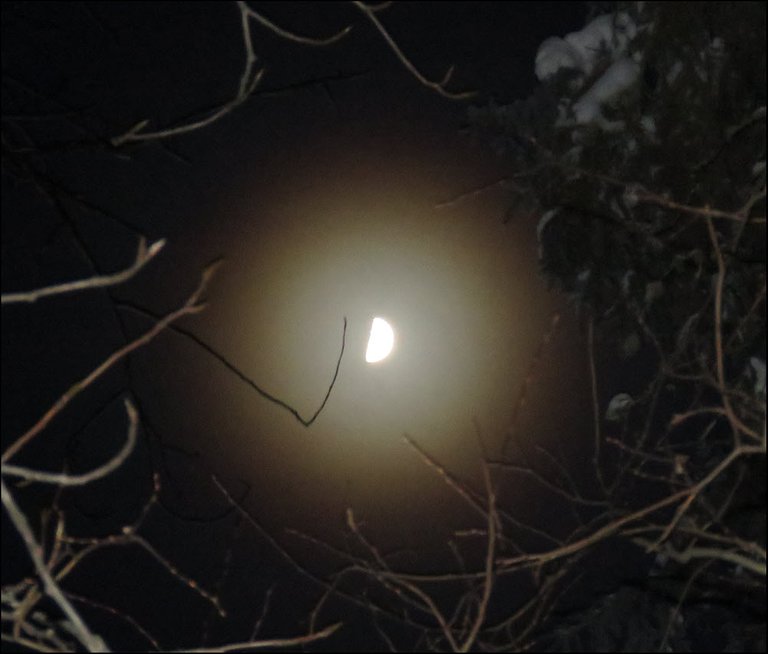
(380, 342)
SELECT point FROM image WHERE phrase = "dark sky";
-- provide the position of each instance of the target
(321, 193)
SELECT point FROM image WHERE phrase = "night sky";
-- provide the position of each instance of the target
(340, 190)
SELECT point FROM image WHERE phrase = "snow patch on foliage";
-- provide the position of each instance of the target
(580, 51)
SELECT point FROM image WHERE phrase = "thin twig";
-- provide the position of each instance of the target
(596, 416)
(65, 479)
(673, 617)
(263, 613)
(118, 613)
(143, 256)
(692, 552)
(614, 526)
(249, 79)
(292, 36)
(439, 87)
(191, 306)
(447, 476)
(691, 493)
(130, 537)
(248, 82)
(241, 375)
(736, 424)
(470, 193)
(705, 212)
(272, 642)
(91, 641)
(522, 396)
(489, 563)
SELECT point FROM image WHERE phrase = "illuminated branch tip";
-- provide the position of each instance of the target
(143, 256)
(370, 13)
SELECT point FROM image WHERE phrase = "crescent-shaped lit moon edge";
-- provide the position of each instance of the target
(380, 342)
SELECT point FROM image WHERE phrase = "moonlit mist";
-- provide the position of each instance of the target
(306, 249)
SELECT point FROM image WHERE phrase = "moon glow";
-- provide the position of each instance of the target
(380, 342)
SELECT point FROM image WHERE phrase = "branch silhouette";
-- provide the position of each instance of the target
(245, 378)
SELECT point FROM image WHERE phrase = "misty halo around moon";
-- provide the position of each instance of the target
(380, 341)
(452, 284)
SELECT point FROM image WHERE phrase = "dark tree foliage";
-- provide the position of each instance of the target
(653, 224)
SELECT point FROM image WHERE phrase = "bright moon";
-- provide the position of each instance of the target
(380, 341)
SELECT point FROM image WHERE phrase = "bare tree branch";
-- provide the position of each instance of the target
(248, 82)
(292, 36)
(143, 257)
(692, 552)
(489, 563)
(191, 306)
(90, 641)
(64, 479)
(272, 642)
(439, 87)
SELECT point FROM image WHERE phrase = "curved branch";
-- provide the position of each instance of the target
(64, 479)
(241, 375)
